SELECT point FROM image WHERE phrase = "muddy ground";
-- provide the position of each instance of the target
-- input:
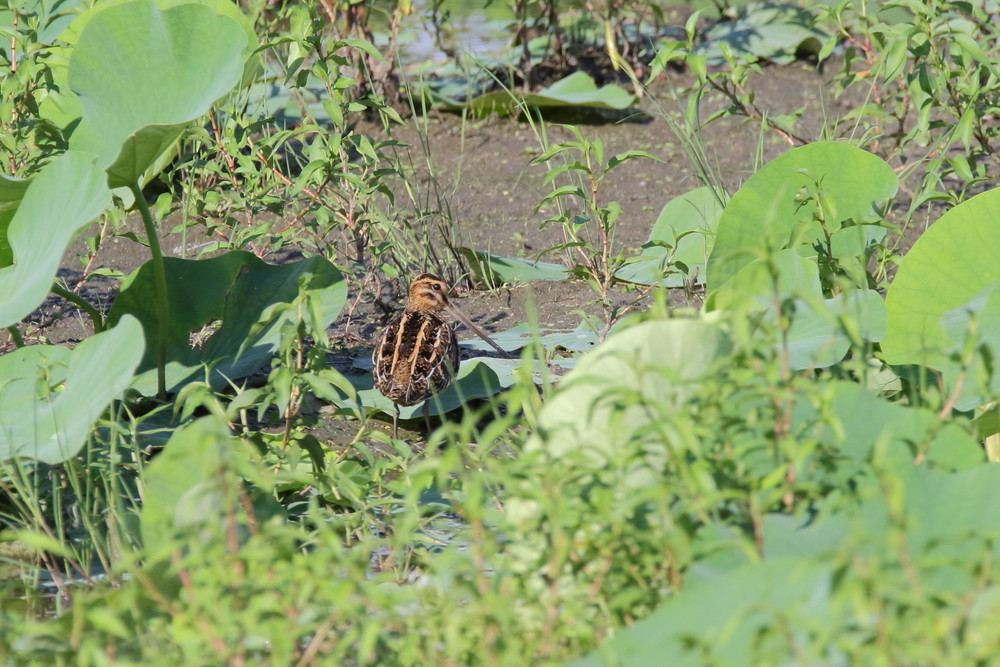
(485, 166)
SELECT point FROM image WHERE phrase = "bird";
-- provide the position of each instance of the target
(416, 354)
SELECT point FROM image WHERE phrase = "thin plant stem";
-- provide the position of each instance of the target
(82, 304)
(160, 277)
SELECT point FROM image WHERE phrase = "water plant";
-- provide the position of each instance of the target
(802, 453)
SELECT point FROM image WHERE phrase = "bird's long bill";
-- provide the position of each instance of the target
(464, 319)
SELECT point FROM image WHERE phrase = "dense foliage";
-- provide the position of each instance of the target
(799, 470)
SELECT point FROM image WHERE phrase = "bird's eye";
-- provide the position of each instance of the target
(436, 287)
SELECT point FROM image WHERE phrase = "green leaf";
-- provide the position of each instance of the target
(764, 281)
(949, 265)
(49, 398)
(687, 224)
(722, 621)
(772, 30)
(184, 487)
(820, 331)
(11, 193)
(563, 191)
(767, 214)
(614, 384)
(628, 155)
(582, 338)
(39, 218)
(817, 571)
(859, 425)
(576, 90)
(493, 270)
(160, 81)
(249, 296)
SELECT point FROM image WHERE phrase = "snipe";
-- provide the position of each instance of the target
(416, 355)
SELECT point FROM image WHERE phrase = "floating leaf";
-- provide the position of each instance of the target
(475, 379)
(577, 90)
(572, 340)
(49, 399)
(775, 31)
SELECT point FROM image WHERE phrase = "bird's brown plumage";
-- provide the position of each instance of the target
(416, 355)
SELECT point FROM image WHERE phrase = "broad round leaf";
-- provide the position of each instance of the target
(476, 379)
(38, 219)
(687, 224)
(142, 74)
(576, 90)
(50, 396)
(608, 399)
(949, 266)
(579, 339)
(249, 296)
(820, 330)
(768, 214)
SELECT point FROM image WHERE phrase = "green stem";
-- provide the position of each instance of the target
(160, 276)
(82, 304)
(16, 336)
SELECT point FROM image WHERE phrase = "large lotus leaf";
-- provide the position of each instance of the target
(859, 425)
(495, 270)
(763, 282)
(11, 193)
(249, 296)
(50, 396)
(770, 213)
(949, 266)
(159, 82)
(613, 392)
(820, 330)
(687, 224)
(576, 90)
(62, 106)
(974, 329)
(38, 219)
(776, 31)
(763, 612)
